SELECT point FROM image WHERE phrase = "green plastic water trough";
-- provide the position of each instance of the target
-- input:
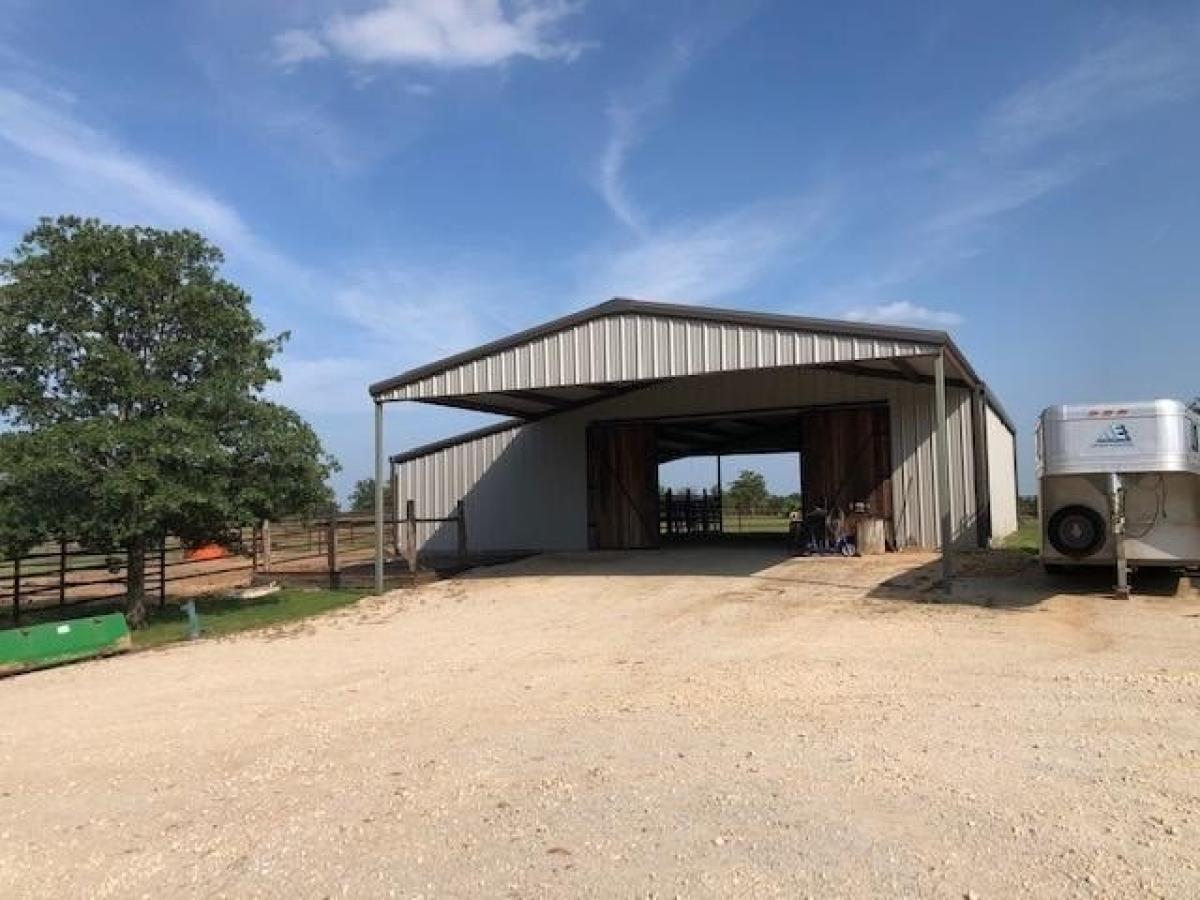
(38, 646)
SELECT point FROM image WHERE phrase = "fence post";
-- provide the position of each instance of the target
(331, 548)
(266, 545)
(394, 509)
(410, 535)
(162, 573)
(62, 573)
(460, 512)
(17, 591)
(254, 549)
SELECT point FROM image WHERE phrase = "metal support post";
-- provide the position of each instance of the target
(942, 450)
(393, 509)
(1116, 504)
(378, 497)
(460, 513)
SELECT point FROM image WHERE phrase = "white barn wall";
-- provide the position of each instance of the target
(1002, 476)
(525, 488)
(636, 347)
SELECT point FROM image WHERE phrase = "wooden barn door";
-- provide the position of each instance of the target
(622, 487)
(846, 458)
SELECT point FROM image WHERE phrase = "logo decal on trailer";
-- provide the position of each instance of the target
(1115, 434)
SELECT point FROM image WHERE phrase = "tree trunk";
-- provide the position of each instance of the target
(135, 583)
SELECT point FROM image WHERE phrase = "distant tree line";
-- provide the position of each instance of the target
(748, 493)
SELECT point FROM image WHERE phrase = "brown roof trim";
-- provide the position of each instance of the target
(624, 306)
(447, 443)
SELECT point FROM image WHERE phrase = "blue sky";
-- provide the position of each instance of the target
(395, 180)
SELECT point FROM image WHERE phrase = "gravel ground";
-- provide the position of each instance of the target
(609, 726)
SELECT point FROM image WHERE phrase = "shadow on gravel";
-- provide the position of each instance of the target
(1014, 580)
(725, 559)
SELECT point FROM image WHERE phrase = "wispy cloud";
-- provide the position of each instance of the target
(696, 258)
(1149, 66)
(1043, 137)
(87, 156)
(709, 259)
(438, 307)
(57, 163)
(296, 46)
(443, 33)
(627, 115)
(902, 312)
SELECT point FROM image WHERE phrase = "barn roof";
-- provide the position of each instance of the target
(625, 344)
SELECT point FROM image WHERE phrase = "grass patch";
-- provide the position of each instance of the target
(219, 615)
(735, 524)
(227, 615)
(1026, 538)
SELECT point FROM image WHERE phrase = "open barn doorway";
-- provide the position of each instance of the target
(738, 494)
(726, 475)
(706, 476)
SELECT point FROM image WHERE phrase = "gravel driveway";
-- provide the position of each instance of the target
(691, 723)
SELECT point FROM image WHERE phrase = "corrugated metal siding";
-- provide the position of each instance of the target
(522, 489)
(1002, 475)
(625, 348)
(526, 488)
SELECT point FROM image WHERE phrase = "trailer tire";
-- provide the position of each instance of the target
(1076, 531)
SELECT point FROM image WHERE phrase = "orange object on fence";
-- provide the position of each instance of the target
(205, 552)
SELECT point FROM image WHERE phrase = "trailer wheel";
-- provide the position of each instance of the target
(1076, 531)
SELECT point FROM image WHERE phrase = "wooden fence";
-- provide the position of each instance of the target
(67, 575)
(334, 550)
(339, 550)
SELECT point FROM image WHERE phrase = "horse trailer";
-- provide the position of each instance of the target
(1119, 485)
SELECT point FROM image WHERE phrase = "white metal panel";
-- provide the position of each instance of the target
(526, 488)
(1149, 436)
(637, 347)
(521, 489)
(1002, 476)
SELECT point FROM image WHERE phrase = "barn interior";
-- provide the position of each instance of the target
(845, 449)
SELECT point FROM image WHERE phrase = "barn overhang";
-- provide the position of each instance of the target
(624, 345)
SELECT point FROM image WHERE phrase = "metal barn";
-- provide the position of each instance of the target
(893, 418)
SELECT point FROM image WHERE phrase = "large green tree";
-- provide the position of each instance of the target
(131, 379)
